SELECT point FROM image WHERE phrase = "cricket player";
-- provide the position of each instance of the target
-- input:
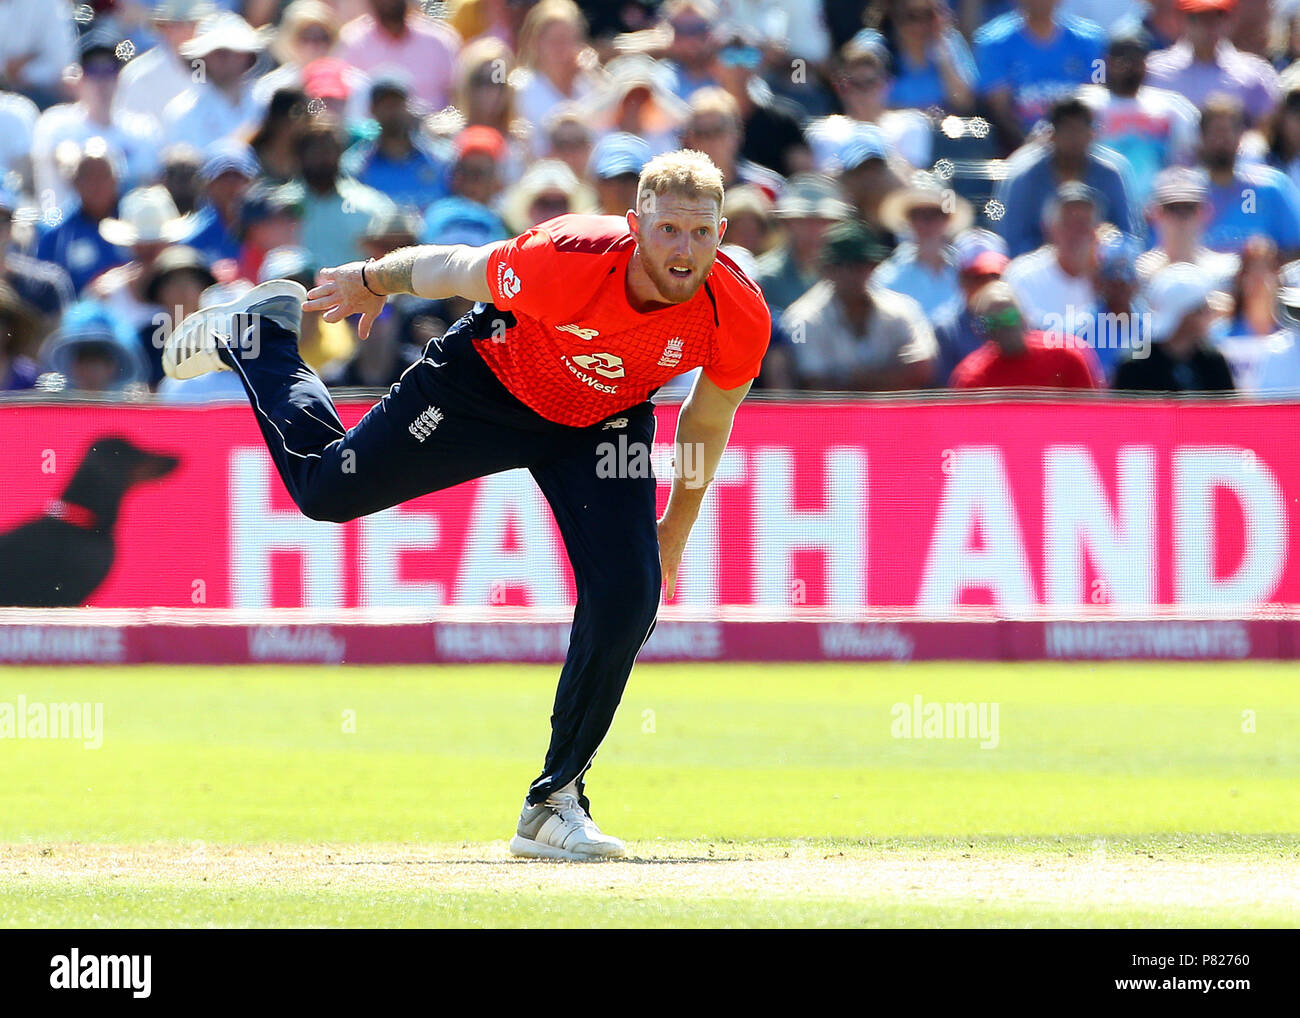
(577, 323)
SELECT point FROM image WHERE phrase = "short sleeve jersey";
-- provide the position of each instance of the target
(574, 349)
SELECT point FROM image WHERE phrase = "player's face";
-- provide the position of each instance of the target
(677, 243)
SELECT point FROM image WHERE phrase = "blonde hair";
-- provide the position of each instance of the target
(481, 53)
(541, 17)
(685, 172)
(712, 99)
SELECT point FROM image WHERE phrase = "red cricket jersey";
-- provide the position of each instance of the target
(578, 352)
(1042, 365)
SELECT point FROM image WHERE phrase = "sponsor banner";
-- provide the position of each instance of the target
(935, 509)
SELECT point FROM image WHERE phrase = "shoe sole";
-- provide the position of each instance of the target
(262, 291)
(530, 849)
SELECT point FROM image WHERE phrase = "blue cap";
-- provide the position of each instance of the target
(868, 142)
(1117, 257)
(617, 154)
(228, 154)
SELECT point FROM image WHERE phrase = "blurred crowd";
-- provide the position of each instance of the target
(1068, 193)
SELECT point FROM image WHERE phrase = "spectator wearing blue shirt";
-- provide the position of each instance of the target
(924, 266)
(694, 46)
(42, 285)
(398, 162)
(1036, 171)
(226, 173)
(1245, 198)
(932, 65)
(465, 216)
(75, 244)
(1030, 58)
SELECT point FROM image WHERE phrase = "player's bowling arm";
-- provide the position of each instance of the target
(449, 270)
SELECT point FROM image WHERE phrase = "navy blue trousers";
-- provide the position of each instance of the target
(447, 420)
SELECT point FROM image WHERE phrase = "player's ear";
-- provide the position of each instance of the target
(722, 228)
(632, 222)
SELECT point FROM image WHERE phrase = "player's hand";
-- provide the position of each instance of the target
(339, 293)
(672, 542)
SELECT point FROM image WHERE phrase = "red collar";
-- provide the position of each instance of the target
(70, 512)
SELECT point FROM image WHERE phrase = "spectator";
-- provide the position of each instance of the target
(93, 81)
(1054, 283)
(694, 47)
(1036, 172)
(748, 212)
(1016, 357)
(221, 104)
(569, 139)
(924, 265)
(181, 165)
(1204, 62)
(1030, 58)
(18, 116)
(810, 205)
(1284, 136)
(172, 285)
(466, 214)
(485, 19)
(847, 335)
(325, 84)
(1118, 323)
(399, 162)
(548, 189)
(1181, 358)
(42, 285)
(19, 325)
(153, 78)
(861, 82)
(635, 99)
(226, 175)
(933, 66)
(75, 244)
(1180, 213)
(485, 97)
(771, 127)
(867, 178)
(336, 208)
(148, 224)
(393, 36)
(1245, 198)
(786, 28)
(309, 31)
(1150, 127)
(1279, 365)
(551, 47)
(713, 127)
(37, 43)
(92, 352)
(275, 142)
(981, 259)
(615, 168)
(270, 217)
(1242, 338)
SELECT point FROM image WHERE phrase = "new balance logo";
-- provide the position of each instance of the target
(607, 364)
(617, 422)
(672, 354)
(424, 425)
(579, 332)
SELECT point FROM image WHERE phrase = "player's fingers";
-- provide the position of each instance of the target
(334, 314)
(363, 327)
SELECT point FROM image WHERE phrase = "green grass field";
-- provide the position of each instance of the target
(1118, 795)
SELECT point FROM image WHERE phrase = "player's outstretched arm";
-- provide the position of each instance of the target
(429, 270)
(703, 427)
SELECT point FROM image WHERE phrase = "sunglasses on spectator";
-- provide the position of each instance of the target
(1007, 318)
(101, 69)
(1181, 208)
(551, 201)
(690, 28)
(926, 212)
(862, 84)
(747, 57)
(318, 36)
(918, 15)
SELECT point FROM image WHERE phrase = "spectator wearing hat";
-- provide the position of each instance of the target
(1055, 283)
(547, 189)
(153, 78)
(1118, 323)
(269, 217)
(614, 168)
(981, 258)
(1278, 369)
(92, 352)
(1015, 356)
(93, 81)
(173, 284)
(325, 84)
(636, 98)
(74, 243)
(148, 223)
(1028, 59)
(1152, 128)
(395, 35)
(1246, 198)
(309, 31)
(809, 206)
(848, 335)
(221, 104)
(1071, 154)
(465, 216)
(771, 126)
(1180, 212)
(552, 42)
(748, 212)
(1242, 334)
(713, 127)
(693, 48)
(867, 177)
(1181, 358)
(275, 142)
(928, 215)
(19, 325)
(861, 80)
(399, 161)
(336, 208)
(226, 175)
(933, 66)
(1204, 62)
(37, 43)
(42, 285)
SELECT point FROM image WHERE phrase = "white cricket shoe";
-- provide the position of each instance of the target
(560, 828)
(191, 349)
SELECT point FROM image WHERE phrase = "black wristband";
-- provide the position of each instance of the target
(363, 278)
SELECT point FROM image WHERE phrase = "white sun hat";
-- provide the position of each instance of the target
(147, 215)
(223, 30)
(1174, 293)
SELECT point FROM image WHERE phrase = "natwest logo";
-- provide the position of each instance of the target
(507, 282)
(607, 364)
